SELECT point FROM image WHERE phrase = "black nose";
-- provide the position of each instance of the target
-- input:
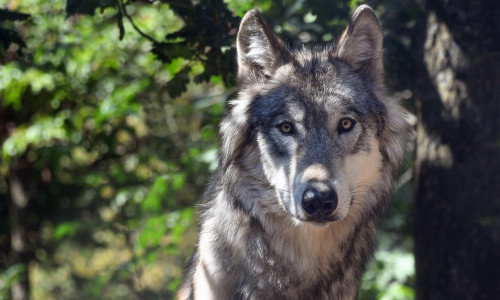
(320, 204)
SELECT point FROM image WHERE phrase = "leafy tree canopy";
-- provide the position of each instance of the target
(108, 115)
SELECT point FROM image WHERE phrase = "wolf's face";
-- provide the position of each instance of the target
(316, 130)
(313, 122)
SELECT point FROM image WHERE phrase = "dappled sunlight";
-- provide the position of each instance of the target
(113, 134)
(389, 275)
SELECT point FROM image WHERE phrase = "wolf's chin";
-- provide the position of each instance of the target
(319, 224)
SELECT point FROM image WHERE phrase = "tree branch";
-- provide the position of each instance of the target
(122, 8)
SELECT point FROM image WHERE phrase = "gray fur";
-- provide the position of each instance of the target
(256, 240)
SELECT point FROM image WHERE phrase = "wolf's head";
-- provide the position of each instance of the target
(314, 126)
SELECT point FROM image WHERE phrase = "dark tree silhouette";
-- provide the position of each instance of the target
(457, 205)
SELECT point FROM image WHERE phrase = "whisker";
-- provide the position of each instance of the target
(357, 186)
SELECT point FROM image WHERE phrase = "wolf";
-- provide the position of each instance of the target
(307, 155)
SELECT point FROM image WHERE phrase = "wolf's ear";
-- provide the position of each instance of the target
(260, 51)
(361, 44)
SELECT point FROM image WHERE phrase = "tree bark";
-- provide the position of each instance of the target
(19, 200)
(457, 167)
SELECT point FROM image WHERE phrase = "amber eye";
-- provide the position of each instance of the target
(346, 124)
(286, 128)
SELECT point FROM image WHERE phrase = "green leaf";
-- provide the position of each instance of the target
(174, 284)
(153, 200)
(152, 233)
(9, 277)
(66, 229)
(94, 287)
(43, 132)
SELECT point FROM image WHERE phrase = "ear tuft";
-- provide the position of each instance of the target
(260, 51)
(361, 44)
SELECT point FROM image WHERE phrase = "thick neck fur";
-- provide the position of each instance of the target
(304, 260)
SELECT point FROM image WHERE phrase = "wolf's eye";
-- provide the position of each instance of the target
(286, 128)
(346, 124)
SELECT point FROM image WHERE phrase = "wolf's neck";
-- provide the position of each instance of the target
(305, 259)
(310, 248)
(345, 244)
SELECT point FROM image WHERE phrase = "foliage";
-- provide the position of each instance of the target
(9, 277)
(108, 155)
(7, 35)
(112, 110)
(388, 277)
(207, 33)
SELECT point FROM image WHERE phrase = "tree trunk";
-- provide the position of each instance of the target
(18, 218)
(457, 167)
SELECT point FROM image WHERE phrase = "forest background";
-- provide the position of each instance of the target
(109, 112)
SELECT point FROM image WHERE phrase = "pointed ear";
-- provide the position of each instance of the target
(260, 51)
(361, 44)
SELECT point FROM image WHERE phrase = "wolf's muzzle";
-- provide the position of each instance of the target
(319, 205)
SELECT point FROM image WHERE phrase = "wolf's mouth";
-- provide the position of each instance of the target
(322, 220)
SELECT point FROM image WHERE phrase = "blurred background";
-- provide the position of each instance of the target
(108, 135)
